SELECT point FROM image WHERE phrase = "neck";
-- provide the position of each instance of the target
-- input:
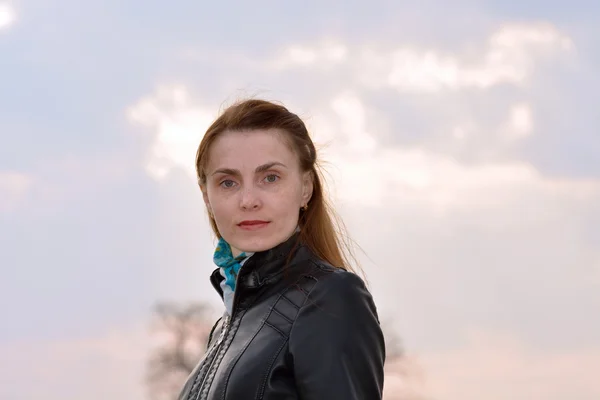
(235, 252)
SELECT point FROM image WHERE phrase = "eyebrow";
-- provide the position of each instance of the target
(259, 169)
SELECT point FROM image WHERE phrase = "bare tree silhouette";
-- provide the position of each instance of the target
(182, 333)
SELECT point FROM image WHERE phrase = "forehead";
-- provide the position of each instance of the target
(238, 149)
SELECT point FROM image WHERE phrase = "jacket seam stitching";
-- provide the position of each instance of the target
(275, 328)
(282, 316)
(260, 394)
(288, 300)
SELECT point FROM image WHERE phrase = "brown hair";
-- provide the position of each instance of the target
(321, 230)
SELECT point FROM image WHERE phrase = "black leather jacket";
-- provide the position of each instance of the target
(298, 330)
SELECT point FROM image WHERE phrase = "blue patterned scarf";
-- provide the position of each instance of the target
(230, 266)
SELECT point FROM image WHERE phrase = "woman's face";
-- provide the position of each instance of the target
(254, 189)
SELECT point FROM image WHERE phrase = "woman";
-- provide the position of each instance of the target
(299, 324)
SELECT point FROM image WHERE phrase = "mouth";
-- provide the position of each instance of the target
(253, 225)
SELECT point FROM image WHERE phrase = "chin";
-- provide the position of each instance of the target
(257, 242)
(255, 245)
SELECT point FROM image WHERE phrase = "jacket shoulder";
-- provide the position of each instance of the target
(336, 343)
(332, 286)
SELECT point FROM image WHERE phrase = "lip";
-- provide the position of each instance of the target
(252, 225)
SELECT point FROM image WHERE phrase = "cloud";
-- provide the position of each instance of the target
(326, 54)
(13, 188)
(496, 366)
(521, 121)
(353, 123)
(509, 56)
(179, 125)
(7, 16)
(370, 174)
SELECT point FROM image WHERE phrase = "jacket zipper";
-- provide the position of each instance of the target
(215, 348)
(214, 363)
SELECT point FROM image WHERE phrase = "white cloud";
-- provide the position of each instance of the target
(367, 173)
(324, 54)
(7, 16)
(500, 367)
(179, 125)
(520, 121)
(509, 56)
(13, 187)
(352, 116)
(416, 176)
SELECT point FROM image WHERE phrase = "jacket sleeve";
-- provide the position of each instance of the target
(336, 344)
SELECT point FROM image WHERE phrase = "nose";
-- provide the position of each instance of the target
(250, 199)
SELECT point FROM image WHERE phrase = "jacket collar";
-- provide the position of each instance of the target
(262, 267)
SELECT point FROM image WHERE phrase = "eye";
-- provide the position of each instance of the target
(227, 184)
(271, 178)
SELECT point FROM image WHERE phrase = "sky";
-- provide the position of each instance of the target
(462, 150)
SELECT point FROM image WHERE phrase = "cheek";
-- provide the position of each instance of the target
(287, 202)
(221, 208)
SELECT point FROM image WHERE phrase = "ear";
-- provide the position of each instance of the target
(307, 187)
(205, 198)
